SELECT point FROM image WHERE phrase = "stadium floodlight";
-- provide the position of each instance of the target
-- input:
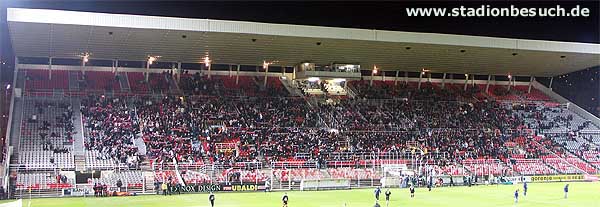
(509, 76)
(7, 86)
(375, 69)
(151, 59)
(313, 79)
(266, 64)
(207, 61)
(85, 57)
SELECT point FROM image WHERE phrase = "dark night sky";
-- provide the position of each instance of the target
(367, 15)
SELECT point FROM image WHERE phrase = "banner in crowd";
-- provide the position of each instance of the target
(556, 178)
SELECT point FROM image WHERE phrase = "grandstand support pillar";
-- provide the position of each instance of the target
(283, 71)
(209, 67)
(179, 71)
(531, 79)
(50, 68)
(549, 86)
(383, 76)
(147, 70)
(444, 81)
(173, 70)
(406, 77)
(396, 79)
(237, 75)
(466, 82)
(420, 78)
(230, 73)
(116, 66)
(16, 63)
(487, 85)
(429, 77)
(266, 73)
(473, 80)
(371, 81)
(510, 82)
(83, 68)
(294, 73)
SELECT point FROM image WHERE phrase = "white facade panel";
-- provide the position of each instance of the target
(445, 39)
(559, 46)
(185, 24)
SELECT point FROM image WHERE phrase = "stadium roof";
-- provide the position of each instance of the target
(68, 34)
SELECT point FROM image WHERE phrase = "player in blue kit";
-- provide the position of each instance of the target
(516, 196)
(377, 192)
(524, 188)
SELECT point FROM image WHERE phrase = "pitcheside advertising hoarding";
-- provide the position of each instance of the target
(194, 188)
(244, 187)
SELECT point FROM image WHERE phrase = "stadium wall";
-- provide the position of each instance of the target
(7, 138)
(571, 106)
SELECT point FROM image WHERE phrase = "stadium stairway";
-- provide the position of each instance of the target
(78, 139)
(14, 160)
(559, 157)
(209, 167)
(138, 141)
(552, 167)
(589, 163)
(350, 91)
(293, 91)
(74, 80)
(79, 162)
(78, 142)
(148, 182)
(173, 86)
(511, 170)
(17, 117)
(20, 83)
(124, 81)
(582, 158)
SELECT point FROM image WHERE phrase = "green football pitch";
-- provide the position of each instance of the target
(539, 195)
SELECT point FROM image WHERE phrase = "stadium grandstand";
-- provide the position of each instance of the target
(125, 103)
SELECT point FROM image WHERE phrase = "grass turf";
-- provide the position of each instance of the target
(538, 195)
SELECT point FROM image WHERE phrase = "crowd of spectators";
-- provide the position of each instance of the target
(63, 120)
(279, 128)
(232, 129)
(110, 128)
